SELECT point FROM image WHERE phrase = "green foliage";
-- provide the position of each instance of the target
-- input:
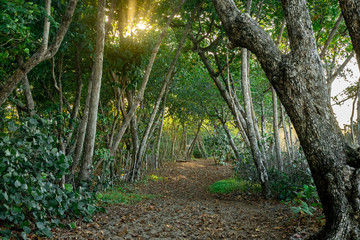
(31, 171)
(218, 144)
(233, 184)
(306, 200)
(120, 195)
(283, 184)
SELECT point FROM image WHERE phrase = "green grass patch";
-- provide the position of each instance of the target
(119, 196)
(234, 185)
(153, 177)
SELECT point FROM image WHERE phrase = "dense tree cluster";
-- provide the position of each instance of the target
(102, 91)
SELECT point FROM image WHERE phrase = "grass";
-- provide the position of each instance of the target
(234, 185)
(121, 196)
(153, 177)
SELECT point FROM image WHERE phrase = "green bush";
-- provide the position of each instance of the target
(232, 185)
(31, 196)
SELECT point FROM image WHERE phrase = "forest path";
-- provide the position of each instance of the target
(186, 210)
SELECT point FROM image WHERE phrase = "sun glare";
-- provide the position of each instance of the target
(141, 25)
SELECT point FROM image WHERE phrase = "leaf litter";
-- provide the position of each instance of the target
(186, 210)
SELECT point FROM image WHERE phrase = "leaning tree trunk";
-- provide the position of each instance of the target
(351, 11)
(192, 145)
(140, 96)
(45, 52)
(300, 83)
(95, 94)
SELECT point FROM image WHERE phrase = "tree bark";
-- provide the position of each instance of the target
(45, 52)
(256, 154)
(164, 88)
(192, 145)
(299, 81)
(140, 95)
(286, 136)
(276, 131)
(351, 11)
(95, 94)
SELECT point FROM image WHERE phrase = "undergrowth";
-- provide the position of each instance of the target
(123, 195)
(234, 185)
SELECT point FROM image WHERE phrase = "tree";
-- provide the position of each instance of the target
(299, 81)
(96, 77)
(351, 12)
(46, 51)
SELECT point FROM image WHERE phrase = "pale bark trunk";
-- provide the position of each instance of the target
(257, 155)
(286, 135)
(232, 143)
(276, 131)
(331, 36)
(299, 81)
(192, 145)
(203, 149)
(140, 95)
(45, 52)
(233, 105)
(164, 88)
(95, 94)
(262, 119)
(352, 120)
(293, 151)
(158, 144)
(30, 105)
(184, 140)
(81, 131)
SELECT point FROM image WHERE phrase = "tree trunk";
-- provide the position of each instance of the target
(286, 135)
(164, 89)
(30, 105)
(95, 94)
(299, 81)
(276, 131)
(157, 153)
(45, 52)
(351, 11)
(256, 154)
(232, 143)
(140, 95)
(192, 145)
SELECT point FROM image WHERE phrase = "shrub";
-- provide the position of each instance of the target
(232, 185)
(31, 196)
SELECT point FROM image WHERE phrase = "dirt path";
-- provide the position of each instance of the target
(187, 210)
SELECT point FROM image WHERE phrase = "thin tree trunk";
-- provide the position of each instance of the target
(276, 131)
(95, 94)
(192, 145)
(140, 95)
(232, 143)
(30, 105)
(331, 36)
(257, 155)
(164, 88)
(286, 136)
(81, 131)
(45, 52)
(157, 154)
(350, 11)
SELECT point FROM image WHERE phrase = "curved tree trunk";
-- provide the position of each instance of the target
(300, 83)
(45, 52)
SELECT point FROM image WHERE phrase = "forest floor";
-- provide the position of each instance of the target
(184, 209)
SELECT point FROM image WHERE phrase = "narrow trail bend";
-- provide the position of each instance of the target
(186, 210)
